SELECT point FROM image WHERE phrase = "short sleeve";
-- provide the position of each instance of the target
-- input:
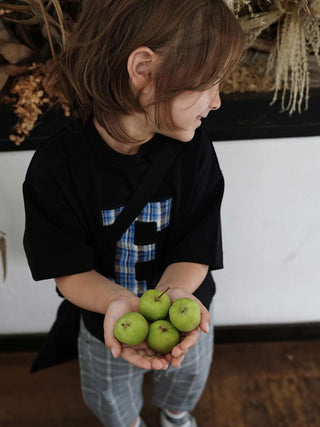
(55, 239)
(196, 231)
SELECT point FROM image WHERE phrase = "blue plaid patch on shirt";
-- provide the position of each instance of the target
(127, 252)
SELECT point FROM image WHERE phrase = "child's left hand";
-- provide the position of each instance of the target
(179, 351)
(189, 338)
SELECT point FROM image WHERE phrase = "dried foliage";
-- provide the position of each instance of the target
(237, 5)
(32, 33)
(35, 92)
(299, 34)
(250, 77)
(294, 27)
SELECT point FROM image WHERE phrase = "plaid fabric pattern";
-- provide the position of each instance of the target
(127, 252)
(112, 388)
(109, 216)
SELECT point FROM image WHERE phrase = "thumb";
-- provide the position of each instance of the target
(205, 319)
(110, 341)
(113, 345)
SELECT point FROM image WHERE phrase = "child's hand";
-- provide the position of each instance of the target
(141, 355)
(190, 338)
(179, 351)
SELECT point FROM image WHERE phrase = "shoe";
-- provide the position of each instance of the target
(186, 421)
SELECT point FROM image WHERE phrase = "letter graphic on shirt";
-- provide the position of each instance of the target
(155, 216)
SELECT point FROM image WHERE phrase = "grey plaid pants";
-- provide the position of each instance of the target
(112, 388)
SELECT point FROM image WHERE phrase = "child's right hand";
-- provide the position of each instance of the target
(141, 355)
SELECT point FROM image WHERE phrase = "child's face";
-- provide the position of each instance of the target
(190, 107)
(187, 111)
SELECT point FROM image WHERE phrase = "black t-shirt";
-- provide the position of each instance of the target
(75, 187)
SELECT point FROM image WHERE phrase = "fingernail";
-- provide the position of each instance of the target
(113, 351)
(206, 327)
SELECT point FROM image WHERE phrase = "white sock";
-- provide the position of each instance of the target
(181, 419)
(137, 424)
(174, 415)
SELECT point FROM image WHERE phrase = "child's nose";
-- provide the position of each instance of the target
(215, 103)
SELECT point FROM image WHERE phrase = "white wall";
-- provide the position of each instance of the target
(271, 228)
(271, 234)
(25, 305)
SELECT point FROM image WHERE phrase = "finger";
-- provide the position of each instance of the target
(176, 361)
(168, 357)
(111, 342)
(159, 364)
(156, 362)
(150, 352)
(189, 341)
(164, 363)
(113, 313)
(205, 319)
(141, 359)
(135, 359)
(153, 356)
(115, 348)
(176, 352)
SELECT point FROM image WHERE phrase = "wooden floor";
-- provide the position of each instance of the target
(251, 385)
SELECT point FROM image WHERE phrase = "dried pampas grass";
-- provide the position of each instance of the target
(298, 35)
(297, 39)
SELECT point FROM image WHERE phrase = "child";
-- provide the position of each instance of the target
(139, 74)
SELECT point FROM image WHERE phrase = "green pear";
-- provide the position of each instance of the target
(132, 328)
(154, 304)
(185, 314)
(162, 336)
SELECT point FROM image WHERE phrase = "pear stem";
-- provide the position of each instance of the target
(157, 298)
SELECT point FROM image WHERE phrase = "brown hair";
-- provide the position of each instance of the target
(199, 42)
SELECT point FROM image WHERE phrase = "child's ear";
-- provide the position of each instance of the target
(141, 64)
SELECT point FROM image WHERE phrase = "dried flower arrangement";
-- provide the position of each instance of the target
(285, 34)
(31, 32)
